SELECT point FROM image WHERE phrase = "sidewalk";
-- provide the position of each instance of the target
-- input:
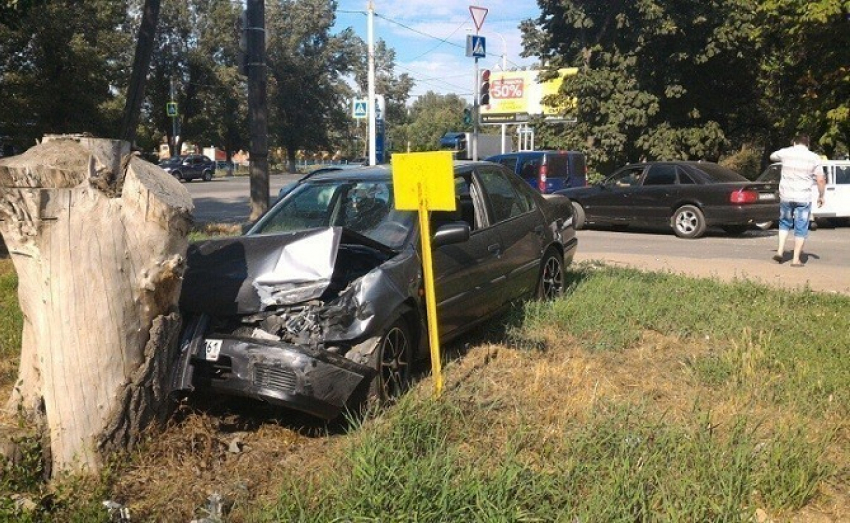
(836, 281)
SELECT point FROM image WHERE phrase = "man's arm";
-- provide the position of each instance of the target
(821, 181)
(775, 156)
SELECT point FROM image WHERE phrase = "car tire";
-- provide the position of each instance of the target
(551, 282)
(208, 175)
(764, 226)
(177, 174)
(688, 222)
(578, 216)
(392, 360)
(735, 230)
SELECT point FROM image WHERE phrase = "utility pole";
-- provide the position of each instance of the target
(257, 106)
(370, 35)
(174, 123)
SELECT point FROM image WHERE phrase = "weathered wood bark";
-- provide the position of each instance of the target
(98, 239)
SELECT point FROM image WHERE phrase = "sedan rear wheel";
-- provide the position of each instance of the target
(551, 284)
(208, 175)
(688, 222)
(392, 359)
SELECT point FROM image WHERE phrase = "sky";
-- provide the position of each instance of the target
(429, 38)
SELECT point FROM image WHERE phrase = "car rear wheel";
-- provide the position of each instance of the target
(551, 284)
(208, 175)
(391, 359)
(688, 222)
(578, 216)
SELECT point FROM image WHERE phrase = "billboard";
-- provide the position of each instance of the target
(516, 96)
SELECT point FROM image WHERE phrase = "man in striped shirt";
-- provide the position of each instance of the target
(800, 169)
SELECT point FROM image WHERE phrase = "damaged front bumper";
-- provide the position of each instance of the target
(314, 381)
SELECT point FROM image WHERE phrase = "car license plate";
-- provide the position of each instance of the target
(211, 349)
(767, 196)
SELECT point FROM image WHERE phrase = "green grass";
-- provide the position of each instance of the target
(799, 339)
(11, 322)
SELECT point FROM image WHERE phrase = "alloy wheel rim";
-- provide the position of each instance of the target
(553, 279)
(687, 222)
(394, 362)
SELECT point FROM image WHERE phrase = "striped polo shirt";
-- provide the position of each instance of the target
(800, 167)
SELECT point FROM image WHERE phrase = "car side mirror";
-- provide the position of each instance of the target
(451, 233)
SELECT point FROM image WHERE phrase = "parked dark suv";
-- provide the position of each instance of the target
(546, 171)
(189, 167)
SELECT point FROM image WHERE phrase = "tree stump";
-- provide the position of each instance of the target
(98, 238)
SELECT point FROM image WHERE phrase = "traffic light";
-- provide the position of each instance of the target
(484, 98)
(467, 116)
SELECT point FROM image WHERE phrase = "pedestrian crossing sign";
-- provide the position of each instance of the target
(361, 109)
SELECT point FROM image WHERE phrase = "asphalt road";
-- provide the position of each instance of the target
(827, 252)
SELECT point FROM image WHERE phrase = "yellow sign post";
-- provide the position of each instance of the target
(425, 182)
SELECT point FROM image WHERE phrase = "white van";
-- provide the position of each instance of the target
(836, 204)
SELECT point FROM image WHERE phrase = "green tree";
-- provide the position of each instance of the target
(805, 70)
(197, 48)
(431, 116)
(306, 62)
(657, 80)
(62, 64)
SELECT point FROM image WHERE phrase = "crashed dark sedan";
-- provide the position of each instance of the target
(321, 303)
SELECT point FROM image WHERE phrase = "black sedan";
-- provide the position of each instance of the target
(687, 196)
(320, 304)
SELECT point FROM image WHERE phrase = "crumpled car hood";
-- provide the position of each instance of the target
(237, 275)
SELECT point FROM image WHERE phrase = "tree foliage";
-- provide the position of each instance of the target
(60, 64)
(306, 65)
(657, 80)
(431, 116)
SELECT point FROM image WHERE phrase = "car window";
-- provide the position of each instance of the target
(557, 166)
(530, 168)
(509, 162)
(842, 174)
(365, 207)
(505, 203)
(662, 174)
(719, 174)
(685, 178)
(628, 177)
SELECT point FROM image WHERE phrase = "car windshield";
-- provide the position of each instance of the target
(362, 206)
(172, 160)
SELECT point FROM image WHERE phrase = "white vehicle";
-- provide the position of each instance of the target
(836, 204)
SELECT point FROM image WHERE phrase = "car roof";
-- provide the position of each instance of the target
(531, 154)
(376, 172)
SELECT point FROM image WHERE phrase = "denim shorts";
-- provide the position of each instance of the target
(795, 214)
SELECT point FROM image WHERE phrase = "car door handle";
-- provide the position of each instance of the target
(495, 249)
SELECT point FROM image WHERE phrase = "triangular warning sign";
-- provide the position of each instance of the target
(478, 15)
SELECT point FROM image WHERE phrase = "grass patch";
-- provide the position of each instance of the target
(11, 324)
(636, 397)
(207, 231)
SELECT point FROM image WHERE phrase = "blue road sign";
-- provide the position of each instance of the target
(476, 46)
(361, 109)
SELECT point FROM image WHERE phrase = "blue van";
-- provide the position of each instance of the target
(546, 171)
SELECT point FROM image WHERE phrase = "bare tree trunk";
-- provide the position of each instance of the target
(98, 239)
(139, 74)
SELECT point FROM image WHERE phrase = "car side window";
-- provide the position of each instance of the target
(685, 178)
(629, 177)
(662, 174)
(509, 162)
(505, 203)
(530, 169)
(842, 175)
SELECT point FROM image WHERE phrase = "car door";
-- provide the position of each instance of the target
(519, 224)
(652, 201)
(837, 194)
(463, 272)
(613, 203)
